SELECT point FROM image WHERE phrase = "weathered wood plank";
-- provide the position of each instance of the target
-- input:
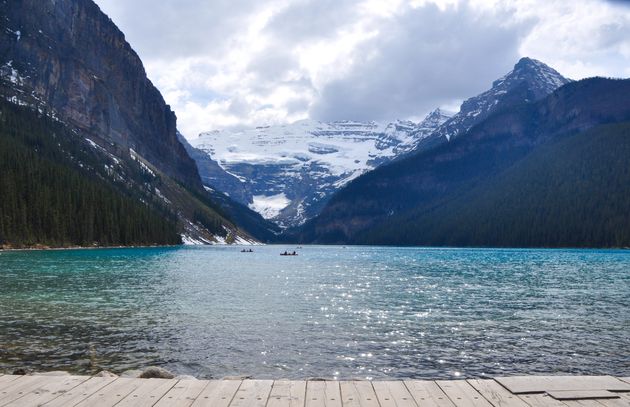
(112, 393)
(323, 394)
(582, 394)
(81, 392)
(19, 388)
(358, 393)
(287, 393)
(541, 400)
(496, 394)
(148, 393)
(624, 395)
(218, 393)
(49, 390)
(183, 394)
(252, 393)
(581, 403)
(6, 380)
(428, 393)
(462, 394)
(540, 384)
(393, 394)
(620, 402)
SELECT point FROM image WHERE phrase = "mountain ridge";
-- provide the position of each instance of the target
(431, 178)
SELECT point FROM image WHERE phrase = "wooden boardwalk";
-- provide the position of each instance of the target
(523, 391)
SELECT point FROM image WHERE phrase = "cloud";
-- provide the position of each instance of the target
(225, 63)
(413, 66)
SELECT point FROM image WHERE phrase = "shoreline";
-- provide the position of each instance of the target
(8, 249)
(43, 248)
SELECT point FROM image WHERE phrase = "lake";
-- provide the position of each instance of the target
(331, 312)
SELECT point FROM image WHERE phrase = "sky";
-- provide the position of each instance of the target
(243, 63)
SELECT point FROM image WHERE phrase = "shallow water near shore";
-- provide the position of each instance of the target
(332, 312)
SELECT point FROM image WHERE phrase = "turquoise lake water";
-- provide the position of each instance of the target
(365, 312)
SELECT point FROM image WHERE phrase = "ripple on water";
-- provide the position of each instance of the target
(331, 312)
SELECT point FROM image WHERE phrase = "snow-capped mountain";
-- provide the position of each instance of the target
(288, 172)
(530, 80)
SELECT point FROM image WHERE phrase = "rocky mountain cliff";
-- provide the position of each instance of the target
(69, 57)
(288, 172)
(67, 60)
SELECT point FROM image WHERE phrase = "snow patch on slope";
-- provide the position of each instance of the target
(269, 206)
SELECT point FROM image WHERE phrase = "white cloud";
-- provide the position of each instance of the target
(225, 63)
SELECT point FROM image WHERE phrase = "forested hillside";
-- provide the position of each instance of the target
(53, 192)
(572, 193)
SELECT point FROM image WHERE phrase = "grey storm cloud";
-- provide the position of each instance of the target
(422, 59)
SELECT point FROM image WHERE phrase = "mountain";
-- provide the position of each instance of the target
(288, 172)
(57, 192)
(489, 185)
(67, 61)
(571, 193)
(529, 81)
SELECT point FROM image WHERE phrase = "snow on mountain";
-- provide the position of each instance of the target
(289, 171)
(530, 80)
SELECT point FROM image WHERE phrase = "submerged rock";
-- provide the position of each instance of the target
(154, 372)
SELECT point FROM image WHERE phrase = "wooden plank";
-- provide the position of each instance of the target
(183, 394)
(496, 394)
(81, 392)
(462, 394)
(112, 393)
(148, 393)
(19, 388)
(285, 393)
(218, 393)
(540, 384)
(393, 394)
(6, 380)
(582, 394)
(323, 394)
(252, 393)
(428, 393)
(624, 395)
(620, 402)
(358, 393)
(49, 390)
(581, 403)
(541, 400)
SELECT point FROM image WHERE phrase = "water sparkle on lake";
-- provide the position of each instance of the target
(333, 312)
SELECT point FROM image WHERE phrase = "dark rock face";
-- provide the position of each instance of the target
(70, 57)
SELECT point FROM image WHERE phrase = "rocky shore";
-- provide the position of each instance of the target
(151, 372)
